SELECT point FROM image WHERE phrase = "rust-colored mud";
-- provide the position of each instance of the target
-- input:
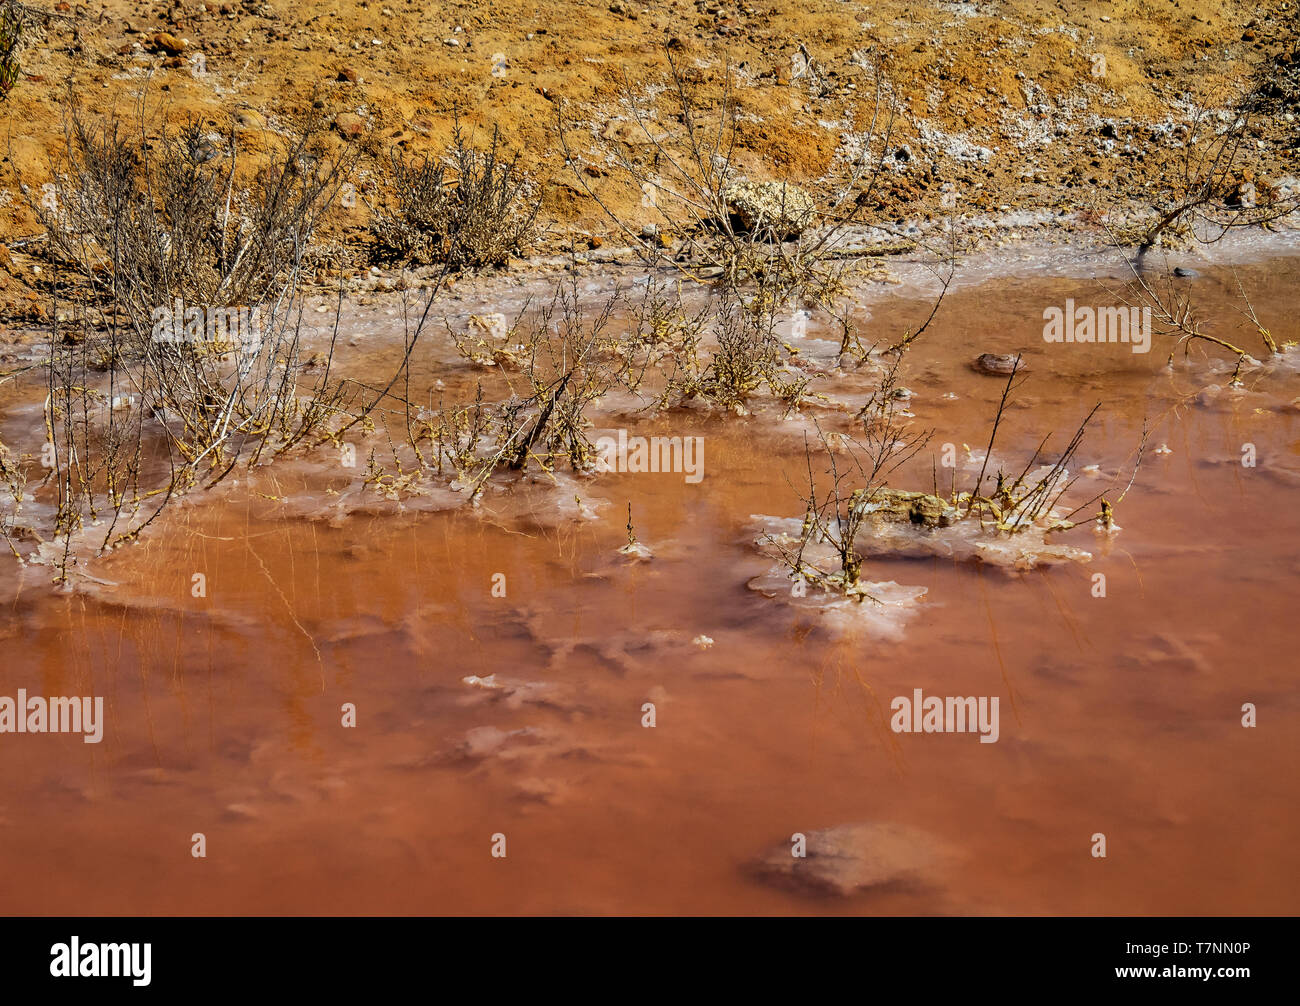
(1120, 715)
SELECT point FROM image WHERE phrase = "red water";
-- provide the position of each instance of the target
(1119, 715)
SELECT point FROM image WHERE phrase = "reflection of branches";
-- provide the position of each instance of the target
(1249, 312)
(565, 375)
(945, 276)
(1174, 312)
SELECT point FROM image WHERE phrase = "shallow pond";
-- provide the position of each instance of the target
(479, 715)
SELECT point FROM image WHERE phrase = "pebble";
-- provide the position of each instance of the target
(349, 126)
(998, 365)
(168, 43)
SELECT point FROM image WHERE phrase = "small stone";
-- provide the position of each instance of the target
(350, 126)
(780, 209)
(900, 506)
(999, 365)
(168, 43)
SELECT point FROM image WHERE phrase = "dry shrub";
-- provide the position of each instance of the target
(11, 40)
(468, 209)
(147, 222)
(180, 353)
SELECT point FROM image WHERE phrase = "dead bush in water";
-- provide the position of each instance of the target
(1029, 499)
(566, 367)
(565, 358)
(182, 352)
(566, 371)
(1167, 298)
(125, 437)
(1019, 503)
(857, 469)
(724, 352)
(851, 503)
(745, 357)
(468, 209)
(96, 444)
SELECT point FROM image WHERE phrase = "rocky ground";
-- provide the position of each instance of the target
(1065, 111)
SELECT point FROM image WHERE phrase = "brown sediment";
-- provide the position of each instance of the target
(479, 714)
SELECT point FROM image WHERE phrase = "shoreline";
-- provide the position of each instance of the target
(1009, 253)
(1015, 254)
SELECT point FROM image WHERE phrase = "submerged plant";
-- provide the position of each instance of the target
(851, 510)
